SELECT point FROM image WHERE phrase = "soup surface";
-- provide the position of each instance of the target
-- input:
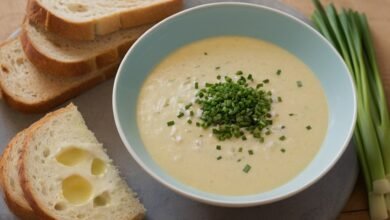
(193, 155)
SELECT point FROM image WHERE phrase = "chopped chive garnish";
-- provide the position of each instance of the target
(243, 138)
(283, 127)
(282, 138)
(188, 106)
(189, 121)
(181, 114)
(299, 84)
(291, 114)
(283, 150)
(220, 157)
(196, 85)
(238, 73)
(240, 149)
(308, 127)
(279, 72)
(205, 53)
(197, 124)
(218, 147)
(191, 113)
(218, 67)
(280, 99)
(239, 160)
(170, 123)
(250, 77)
(247, 168)
(261, 140)
(259, 85)
(268, 132)
(250, 152)
(266, 81)
(219, 77)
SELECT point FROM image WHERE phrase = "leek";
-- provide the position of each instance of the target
(349, 33)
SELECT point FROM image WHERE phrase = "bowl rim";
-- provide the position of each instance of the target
(217, 202)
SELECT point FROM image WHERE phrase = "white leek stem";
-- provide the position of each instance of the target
(377, 204)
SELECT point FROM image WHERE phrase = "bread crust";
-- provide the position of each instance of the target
(88, 30)
(52, 66)
(58, 99)
(13, 204)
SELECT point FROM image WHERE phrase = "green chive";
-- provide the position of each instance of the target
(247, 168)
(205, 53)
(259, 85)
(280, 99)
(188, 106)
(191, 113)
(220, 157)
(218, 67)
(279, 72)
(250, 77)
(181, 114)
(238, 73)
(283, 150)
(189, 121)
(291, 114)
(266, 81)
(219, 77)
(243, 138)
(170, 123)
(308, 127)
(218, 147)
(250, 152)
(196, 85)
(282, 138)
(197, 124)
(240, 149)
(299, 84)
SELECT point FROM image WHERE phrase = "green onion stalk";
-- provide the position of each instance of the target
(349, 33)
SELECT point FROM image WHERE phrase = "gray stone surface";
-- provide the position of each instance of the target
(322, 201)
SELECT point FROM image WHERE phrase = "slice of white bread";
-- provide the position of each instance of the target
(12, 190)
(65, 172)
(56, 55)
(86, 19)
(27, 89)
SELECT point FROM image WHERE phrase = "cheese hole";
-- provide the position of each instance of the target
(76, 189)
(98, 167)
(71, 156)
(60, 206)
(101, 200)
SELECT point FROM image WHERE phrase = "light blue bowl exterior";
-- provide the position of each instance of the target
(244, 20)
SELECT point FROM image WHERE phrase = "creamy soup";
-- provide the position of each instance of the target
(168, 115)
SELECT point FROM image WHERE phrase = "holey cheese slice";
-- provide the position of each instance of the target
(66, 173)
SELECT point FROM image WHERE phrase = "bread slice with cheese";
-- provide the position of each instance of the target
(86, 19)
(27, 89)
(58, 56)
(12, 190)
(66, 174)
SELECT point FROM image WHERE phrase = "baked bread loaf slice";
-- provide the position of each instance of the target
(56, 55)
(65, 172)
(27, 89)
(86, 19)
(12, 190)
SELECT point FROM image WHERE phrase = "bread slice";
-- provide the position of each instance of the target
(27, 89)
(56, 55)
(65, 172)
(86, 19)
(12, 190)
